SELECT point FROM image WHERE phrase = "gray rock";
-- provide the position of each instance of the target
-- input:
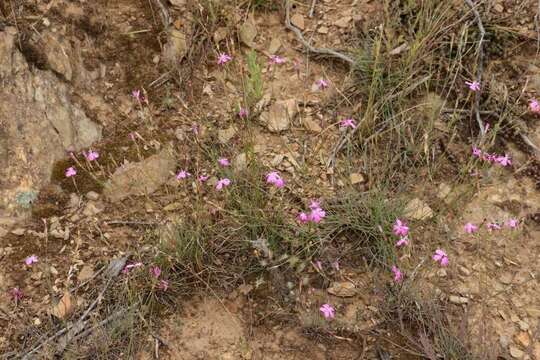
(240, 162)
(141, 178)
(417, 209)
(278, 116)
(38, 124)
(225, 135)
(92, 195)
(175, 48)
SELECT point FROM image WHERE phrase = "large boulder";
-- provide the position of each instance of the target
(39, 124)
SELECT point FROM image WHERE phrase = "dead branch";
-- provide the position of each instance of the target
(164, 12)
(480, 64)
(312, 8)
(307, 45)
(345, 137)
(113, 270)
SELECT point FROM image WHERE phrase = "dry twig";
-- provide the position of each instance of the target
(312, 9)
(480, 64)
(307, 45)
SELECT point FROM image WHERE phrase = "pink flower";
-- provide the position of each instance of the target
(503, 160)
(400, 228)
(476, 152)
(335, 265)
(128, 267)
(136, 94)
(512, 223)
(276, 60)
(224, 58)
(203, 178)
(322, 84)
(328, 311)
(163, 285)
(91, 155)
(275, 179)
(155, 271)
(71, 171)
(318, 265)
(398, 275)
(31, 260)
(403, 241)
(16, 294)
(493, 226)
(195, 128)
(224, 162)
(243, 113)
(317, 215)
(314, 204)
(222, 183)
(470, 228)
(534, 105)
(441, 257)
(489, 157)
(348, 123)
(302, 218)
(182, 174)
(474, 86)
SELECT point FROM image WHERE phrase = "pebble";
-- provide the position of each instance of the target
(515, 352)
(464, 271)
(92, 195)
(322, 30)
(357, 178)
(523, 326)
(459, 300)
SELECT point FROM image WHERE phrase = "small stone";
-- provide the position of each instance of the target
(417, 209)
(220, 34)
(322, 30)
(312, 125)
(464, 271)
(18, 231)
(86, 273)
(444, 190)
(92, 195)
(357, 178)
(278, 116)
(46, 22)
(441, 273)
(172, 206)
(523, 339)
(342, 289)
(523, 326)
(176, 47)
(533, 312)
(240, 162)
(64, 306)
(506, 278)
(504, 341)
(156, 59)
(343, 22)
(277, 159)
(498, 8)
(93, 208)
(274, 46)
(74, 201)
(515, 352)
(247, 33)
(225, 135)
(298, 21)
(459, 300)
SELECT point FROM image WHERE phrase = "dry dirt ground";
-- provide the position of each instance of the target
(97, 52)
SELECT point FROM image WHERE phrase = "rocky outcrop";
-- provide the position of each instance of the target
(39, 124)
